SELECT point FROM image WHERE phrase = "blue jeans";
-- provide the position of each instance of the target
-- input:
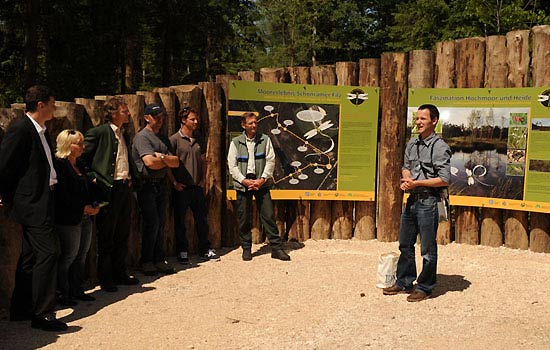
(191, 197)
(420, 217)
(152, 201)
(75, 241)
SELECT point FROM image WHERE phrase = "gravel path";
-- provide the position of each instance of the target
(325, 298)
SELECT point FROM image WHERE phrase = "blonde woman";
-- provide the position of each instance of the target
(74, 206)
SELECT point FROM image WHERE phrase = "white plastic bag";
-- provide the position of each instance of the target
(387, 269)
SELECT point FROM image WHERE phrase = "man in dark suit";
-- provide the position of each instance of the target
(27, 178)
(107, 159)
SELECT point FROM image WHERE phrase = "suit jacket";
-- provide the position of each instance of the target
(98, 159)
(25, 173)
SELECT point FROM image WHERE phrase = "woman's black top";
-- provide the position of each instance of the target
(72, 193)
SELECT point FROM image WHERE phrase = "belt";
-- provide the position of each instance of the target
(421, 195)
(154, 180)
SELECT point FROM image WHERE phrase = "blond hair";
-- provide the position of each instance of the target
(64, 141)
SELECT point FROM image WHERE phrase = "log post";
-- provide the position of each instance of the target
(347, 73)
(470, 67)
(10, 231)
(68, 115)
(249, 75)
(136, 105)
(445, 78)
(320, 211)
(496, 73)
(365, 212)
(94, 110)
(215, 195)
(256, 230)
(516, 222)
(392, 143)
(299, 75)
(230, 230)
(277, 75)
(540, 235)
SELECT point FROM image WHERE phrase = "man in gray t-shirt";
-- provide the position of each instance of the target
(188, 183)
(153, 158)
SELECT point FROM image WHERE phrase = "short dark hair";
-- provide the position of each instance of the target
(434, 112)
(35, 94)
(247, 115)
(185, 111)
(111, 106)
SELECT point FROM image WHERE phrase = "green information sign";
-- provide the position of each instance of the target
(500, 139)
(324, 137)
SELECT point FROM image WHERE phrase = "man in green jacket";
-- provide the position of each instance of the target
(106, 159)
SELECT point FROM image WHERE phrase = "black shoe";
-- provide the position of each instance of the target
(280, 254)
(110, 288)
(48, 323)
(65, 300)
(127, 280)
(247, 254)
(83, 296)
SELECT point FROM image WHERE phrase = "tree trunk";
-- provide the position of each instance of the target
(342, 211)
(540, 239)
(94, 110)
(517, 44)
(320, 213)
(249, 75)
(32, 28)
(496, 72)
(136, 105)
(392, 143)
(445, 67)
(421, 69)
(470, 66)
(299, 75)
(516, 230)
(215, 195)
(365, 212)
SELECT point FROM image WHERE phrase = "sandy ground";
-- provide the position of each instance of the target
(325, 298)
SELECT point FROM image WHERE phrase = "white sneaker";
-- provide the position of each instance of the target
(183, 258)
(210, 255)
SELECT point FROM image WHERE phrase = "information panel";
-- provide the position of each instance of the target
(324, 137)
(500, 139)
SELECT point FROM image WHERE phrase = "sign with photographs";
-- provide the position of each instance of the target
(500, 140)
(324, 137)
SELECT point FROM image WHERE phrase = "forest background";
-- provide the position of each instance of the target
(83, 48)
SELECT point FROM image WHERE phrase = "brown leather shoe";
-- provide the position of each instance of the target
(417, 295)
(393, 290)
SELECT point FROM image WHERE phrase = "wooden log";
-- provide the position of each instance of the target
(277, 75)
(369, 72)
(496, 67)
(136, 105)
(7, 115)
(10, 245)
(342, 211)
(187, 96)
(496, 72)
(393, 100)
(470, 67)
(470, 62)
(422, 74)
(445, 78)
(230, 231)
(466, 225)
(320, 211)
(517, 44)
(299, 75)
(421, 68)
(540, 238)
(515, 230)
(249, 75)
(445, 68)
(94, 112)
(365, 212)
(215, 160)
(298, 211)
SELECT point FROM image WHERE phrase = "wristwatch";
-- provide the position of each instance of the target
(162, 157)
